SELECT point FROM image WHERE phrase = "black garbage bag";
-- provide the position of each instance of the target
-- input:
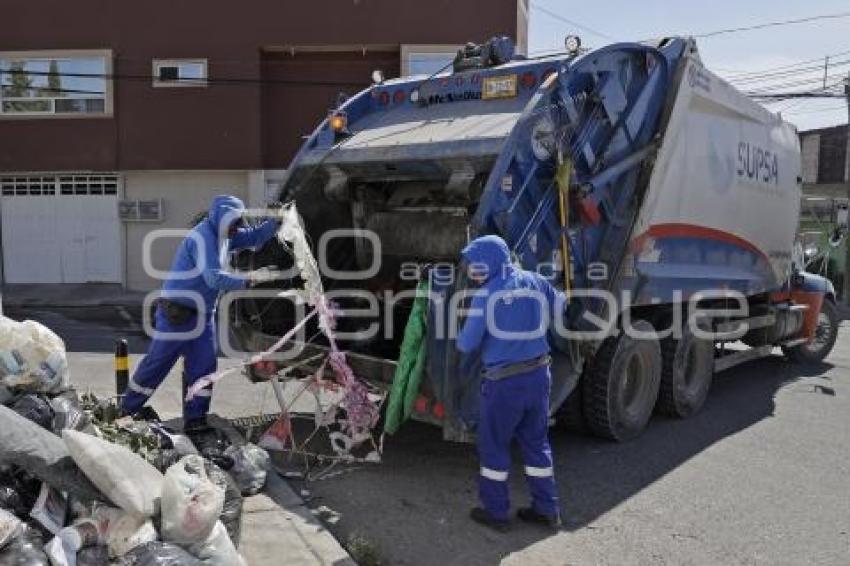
(93, 556)
(18, 490)
(158, 554)
(165, 459)
(6, 395)
(36, 408)
(10, 500)
(231, 512)
(172, 440)
(43, 455)
(26, 550)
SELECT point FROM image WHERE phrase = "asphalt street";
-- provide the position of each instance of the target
(760, 476)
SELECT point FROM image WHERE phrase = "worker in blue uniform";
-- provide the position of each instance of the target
(515, 380)
(188, 301)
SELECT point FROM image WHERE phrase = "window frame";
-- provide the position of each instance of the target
(156, 64)
(109, 90)
(409, 50)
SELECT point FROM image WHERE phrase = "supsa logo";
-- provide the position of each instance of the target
(757, 164)
(697, 78)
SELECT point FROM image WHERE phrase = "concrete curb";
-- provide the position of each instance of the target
(46, 305)
(82, 295)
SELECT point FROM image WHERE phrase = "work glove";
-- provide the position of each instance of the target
(264, 275)
(273, 211)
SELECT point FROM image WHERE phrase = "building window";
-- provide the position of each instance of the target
(429, 63)
(83, 184)
(56, 83)
(179, 72)
(427, 59)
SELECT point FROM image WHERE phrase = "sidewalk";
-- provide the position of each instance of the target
(277, 528)
(70, 295)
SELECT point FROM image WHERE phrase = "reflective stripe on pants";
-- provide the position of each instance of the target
(146, 391)
(533, 472)
(494, 475)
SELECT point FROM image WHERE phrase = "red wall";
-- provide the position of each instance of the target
(222, 126)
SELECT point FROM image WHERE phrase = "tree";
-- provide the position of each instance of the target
(54, 81)
(19, 83)
(20, 86)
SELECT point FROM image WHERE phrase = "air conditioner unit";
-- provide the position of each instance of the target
(140, 210)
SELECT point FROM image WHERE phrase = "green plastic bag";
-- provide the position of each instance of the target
(411, 362)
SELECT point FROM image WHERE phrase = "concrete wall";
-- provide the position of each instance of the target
(184, 194)
(810, 148)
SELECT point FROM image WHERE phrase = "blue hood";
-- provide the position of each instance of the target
(225, 210)
(491, 251)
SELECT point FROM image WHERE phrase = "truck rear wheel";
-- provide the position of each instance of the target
(571, 414)
(620, 387)
(821, 344)
(686, 373)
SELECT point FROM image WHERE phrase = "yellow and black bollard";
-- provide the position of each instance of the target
(122, 367)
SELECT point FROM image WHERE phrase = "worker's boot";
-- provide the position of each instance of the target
(481, 516)
(205, 438)
(147, 413)
(529, 515)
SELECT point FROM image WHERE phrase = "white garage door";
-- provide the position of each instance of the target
(60, 229)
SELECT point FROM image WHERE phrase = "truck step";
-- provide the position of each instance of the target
(743, 356)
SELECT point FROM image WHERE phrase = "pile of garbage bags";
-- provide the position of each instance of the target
(82, 486)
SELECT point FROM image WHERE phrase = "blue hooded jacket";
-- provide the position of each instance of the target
(522, 301)
(200, 264)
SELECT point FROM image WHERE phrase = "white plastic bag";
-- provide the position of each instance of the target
(250, 465)
(128, 480)
(191, 502)
(128, 531)
(217, 549)
(10, 528)
(32, 357)
(50, 509)
(62, 549)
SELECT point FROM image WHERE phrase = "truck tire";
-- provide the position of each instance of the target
(571, 413)
(687, 368)
(821, 344)
(620, 387)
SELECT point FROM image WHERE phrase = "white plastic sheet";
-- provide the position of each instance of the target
(218, 549)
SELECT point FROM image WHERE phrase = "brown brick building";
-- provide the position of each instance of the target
(161, 104)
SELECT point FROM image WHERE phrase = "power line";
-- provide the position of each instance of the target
(773, 24)
(816, 110)
(744, 73)
(808, 70)
(794, 84)
(209, 80)
(61, 91)
(777, 96)
(562, 19)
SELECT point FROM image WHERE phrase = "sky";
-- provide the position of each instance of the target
(728, 55)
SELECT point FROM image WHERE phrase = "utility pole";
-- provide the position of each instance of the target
(825, 70)
(847, 183)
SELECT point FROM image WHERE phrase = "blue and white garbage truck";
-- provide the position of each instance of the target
(629, 171)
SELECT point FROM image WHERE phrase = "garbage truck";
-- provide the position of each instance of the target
(634, 179)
